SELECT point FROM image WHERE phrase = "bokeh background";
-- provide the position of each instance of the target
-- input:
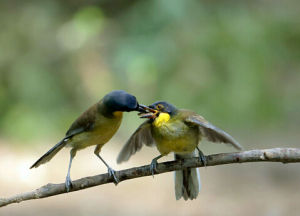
(236, 63)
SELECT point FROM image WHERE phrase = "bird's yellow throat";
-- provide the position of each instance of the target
(161, 119)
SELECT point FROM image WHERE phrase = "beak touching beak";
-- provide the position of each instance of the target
(147, 112)
(141, 108)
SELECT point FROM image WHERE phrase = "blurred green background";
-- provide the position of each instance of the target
(235, 63)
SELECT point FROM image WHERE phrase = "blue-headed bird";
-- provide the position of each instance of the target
(95, 126)
(178, 131)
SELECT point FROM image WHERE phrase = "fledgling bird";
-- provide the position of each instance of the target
(178, 131)
(95, 126)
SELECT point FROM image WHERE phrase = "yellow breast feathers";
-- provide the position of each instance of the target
(118, 114)
(161, 119)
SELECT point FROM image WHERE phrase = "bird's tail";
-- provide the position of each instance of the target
(50, 154)
(187, 181)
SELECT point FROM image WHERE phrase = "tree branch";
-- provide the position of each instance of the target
(284, 155)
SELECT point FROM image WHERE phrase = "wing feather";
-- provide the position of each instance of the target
(211, 132)
(142, 136)
(84, 122)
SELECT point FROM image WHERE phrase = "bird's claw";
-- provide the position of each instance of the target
(112, 174)
(202, 158)
(68, 183)
(153, 166)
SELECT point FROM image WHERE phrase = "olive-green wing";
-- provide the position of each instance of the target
(211, 132)
(84, 122)
(142, 136)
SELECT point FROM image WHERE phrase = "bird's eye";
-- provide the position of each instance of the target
(159, 106)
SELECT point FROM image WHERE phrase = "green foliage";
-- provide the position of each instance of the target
(235, 63)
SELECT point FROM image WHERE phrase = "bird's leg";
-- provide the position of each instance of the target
(68, 178)
(153, 164)
(111, 172)
(202, 157)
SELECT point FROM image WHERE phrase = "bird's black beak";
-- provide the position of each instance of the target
(147, 112)
(141, 108)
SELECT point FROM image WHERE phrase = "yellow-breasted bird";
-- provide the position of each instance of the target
(94, 127)
(179, 131)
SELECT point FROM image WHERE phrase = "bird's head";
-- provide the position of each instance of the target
(121, 101)
(160, 112)
(164, 107)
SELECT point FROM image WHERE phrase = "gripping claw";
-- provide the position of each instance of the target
(202, 157)
(68, 183)
(112, 174)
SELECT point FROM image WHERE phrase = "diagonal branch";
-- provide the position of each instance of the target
(284, 155)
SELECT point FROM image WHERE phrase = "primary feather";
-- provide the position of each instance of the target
(211, 132)
(142, 136)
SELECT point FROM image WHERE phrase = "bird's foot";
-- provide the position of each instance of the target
(68, 183)
(202, 158)
(153, 166)
(112, 174)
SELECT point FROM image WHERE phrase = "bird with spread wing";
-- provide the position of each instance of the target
(178, 131)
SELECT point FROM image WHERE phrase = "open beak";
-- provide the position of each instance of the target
(141, 108)
(147, 112)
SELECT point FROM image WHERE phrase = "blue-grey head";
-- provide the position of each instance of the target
(163, 106)
(119, 100)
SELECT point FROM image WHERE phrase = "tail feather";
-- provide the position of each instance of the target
(187, 181)
(49, 154)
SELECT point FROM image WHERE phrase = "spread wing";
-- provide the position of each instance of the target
(142, 136)
(211, 132)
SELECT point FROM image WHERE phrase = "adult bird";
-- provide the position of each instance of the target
(95, 126)
(178, 131)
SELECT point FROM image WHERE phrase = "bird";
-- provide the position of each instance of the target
(95, 126)
(178, 131)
